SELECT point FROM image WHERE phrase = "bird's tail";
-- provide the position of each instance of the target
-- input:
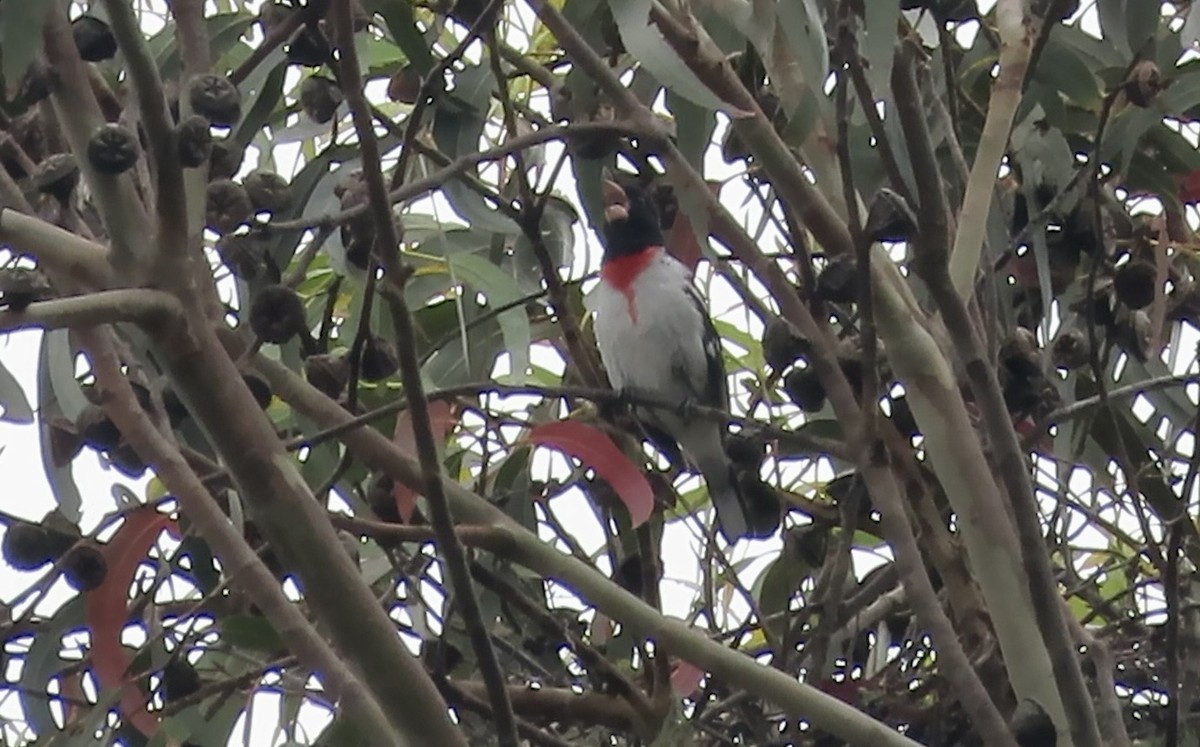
(745, 507)
(726, 498)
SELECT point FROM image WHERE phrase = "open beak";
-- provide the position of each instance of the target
(616, 202)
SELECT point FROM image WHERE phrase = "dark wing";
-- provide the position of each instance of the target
(714, 392)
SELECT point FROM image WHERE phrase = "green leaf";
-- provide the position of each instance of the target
(60, 358)
(401, 23)
(557, 228)
(1112, 22)
(646, 44)
(801, 23)
(1065, 71)
(252, 632)
(776, 586)
(694, 127)
(13, 400)
(20, 37)
(223, 31)
(61, 479)
(500, 290)
(879, 44)
(1184, 92)
(266, 93)
(43, 662)
(1141, 25)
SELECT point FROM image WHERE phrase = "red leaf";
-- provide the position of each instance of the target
(847, 690)
(1189, 186)
(107, 609)
(682, 244)
(594, 448)
(685, 677)
(442, 418)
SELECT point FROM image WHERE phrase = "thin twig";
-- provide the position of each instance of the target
(416, 188)
(237, 558)
(387, 242)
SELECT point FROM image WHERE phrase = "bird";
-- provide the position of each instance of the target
(656, 340)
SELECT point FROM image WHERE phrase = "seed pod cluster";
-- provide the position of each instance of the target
(215, 98)
(28, 546)
(21, 286)
(225, 161)
(320, 98)
(193, 138)
(228, 206)
(93, 38)
(268, 191)
(838, 282)
(112, 149)
(277, 314)
(328, 373)
(84, 567)
(379, 360)
(1134, 282)
(179, 680)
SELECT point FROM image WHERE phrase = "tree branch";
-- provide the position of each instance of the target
(419, 187)
(83, 261)
(170, 197)
(380, 453)
(79, 112)
(238, 560)
(1015, 47)
(387, 243)
(932, 261)
(105, 307)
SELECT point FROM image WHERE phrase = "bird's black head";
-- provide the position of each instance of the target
(631, 221)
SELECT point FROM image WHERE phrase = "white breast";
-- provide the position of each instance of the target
(645, 344)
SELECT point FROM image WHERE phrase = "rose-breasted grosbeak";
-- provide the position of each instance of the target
(657, 340)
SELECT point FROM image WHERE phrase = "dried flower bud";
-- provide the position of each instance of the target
(195, 142)
(215, 98)
(112, 149)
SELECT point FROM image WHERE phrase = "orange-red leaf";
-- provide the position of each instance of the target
(594, 448)
(107, 609)
(685, 677)
(442, 417)
(1189, 187)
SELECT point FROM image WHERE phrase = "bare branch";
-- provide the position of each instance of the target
(104, 307)
(387, 243)
(238, 560)
(61, 251)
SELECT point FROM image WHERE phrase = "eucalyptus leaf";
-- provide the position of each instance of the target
(500, 290)
(646, 44)
(16, 407)
(20, 37)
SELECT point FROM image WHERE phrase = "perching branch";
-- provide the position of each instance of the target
(380, 453)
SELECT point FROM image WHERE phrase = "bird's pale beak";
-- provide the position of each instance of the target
(616, 202)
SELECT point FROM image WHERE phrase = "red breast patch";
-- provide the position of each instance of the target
(621, 273)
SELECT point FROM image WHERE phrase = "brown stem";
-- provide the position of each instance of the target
(931, 260)
(237, 558)
(387, 243)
